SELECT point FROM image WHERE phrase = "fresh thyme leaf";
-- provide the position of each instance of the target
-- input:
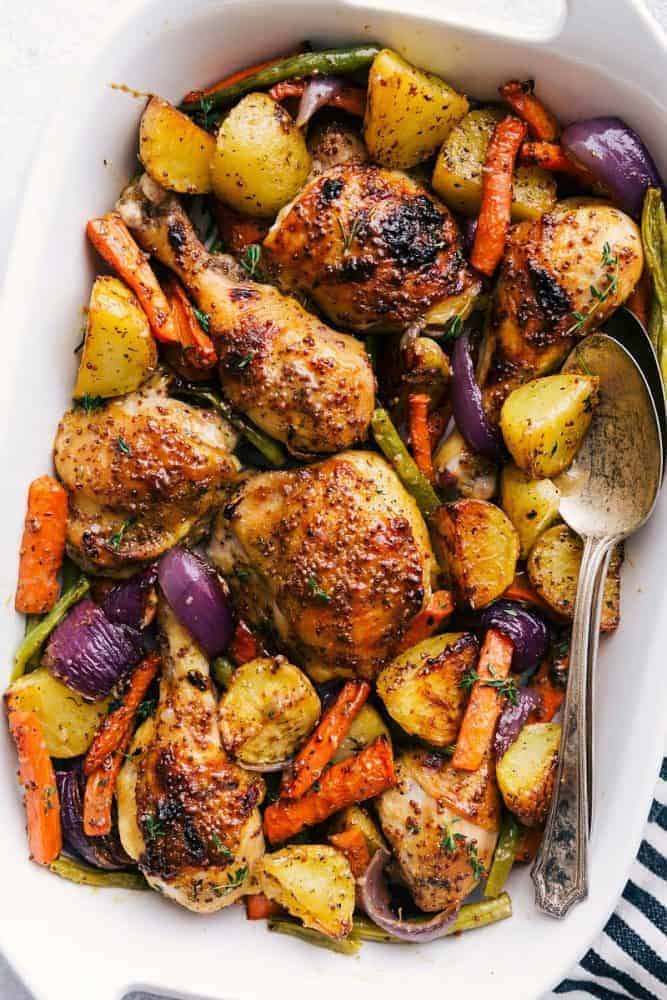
(153, 827)
(146, 708)
(449, 840)
(316, 590)
(203, 113)
(89, 403)
(203, 319)
(220, 847)
(505, 686)
(117, 537)
(609, 261)
(454, 328)
(123, 446)
(477, 866)
(251, 258)
(243, 362)
(233, 882)
(469, 679)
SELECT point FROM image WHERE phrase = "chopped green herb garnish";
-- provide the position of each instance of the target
(203, 113)
(220, 847)
(153, 827)
(233, 882)
(123, 446)
(117, 538)
(609, 261)
(505, 686)
(477, 866)
(89, 403)
(454, 328)
(251, 258)
(203, 319)
(146, 708)
(316, 590)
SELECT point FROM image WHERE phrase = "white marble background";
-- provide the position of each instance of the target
(42, 43)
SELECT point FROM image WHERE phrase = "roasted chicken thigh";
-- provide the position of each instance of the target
(335, 558)
(300, 381)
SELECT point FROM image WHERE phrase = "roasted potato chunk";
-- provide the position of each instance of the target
(457, 177)
(68, 722)
(544, 421)
(175, 152)
(421, 687)
(356, 818)
(267, 710)
(408, 112)
(364, 730)
(260, 159)
(314, 883)
(119, 352)
(479, 546)
(531, 505)
(526, 772)
(553, 568)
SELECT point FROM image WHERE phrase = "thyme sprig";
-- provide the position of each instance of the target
(609, 261)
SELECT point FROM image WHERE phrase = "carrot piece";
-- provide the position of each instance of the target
(244, 645)
(42, 547)
(640, 301)
(287, 88)
(428, 620)
(527, 846)
(192, 338)
(550, 156)
(325, 740)
(420, 434)
(363, 776)
(521, 589)
(114, 242)
(228, 81)
(99, 793)
(115, 727)
(237, 231)
(260, 907)
(551, 696)
(38, 778)
(494, 214)
(521, 99)
(483, 709)
(352, 844)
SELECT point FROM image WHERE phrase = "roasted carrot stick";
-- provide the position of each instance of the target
(521, 99)
(640, 301)
(115, 727)
(363, 776)
(244, 645)
(37, 776)
(228, 81)
(550, 156)
(237, 231)
(42, 547)
(521, 589)
(420, 434)
(113, 241)
(99, 793)
(327, 737)
(192, 338)
(551, 696)
(494, 214)
(352, 844)
(483, 709)
(260, 907)
(428, 620)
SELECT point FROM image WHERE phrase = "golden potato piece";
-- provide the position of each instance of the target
(261, 159)
(119, 352)
(356, 818)
(531, 504)
(457, 177)
(544, 421)
(421, 687)
(364, 730)
(175, 152)
(526, 772)
(408, 112)
(68, 722)
(479, 546)
(553, 569)
(131, 836)
(314, 883)
(266, 712)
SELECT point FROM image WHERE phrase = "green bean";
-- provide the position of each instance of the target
(282, 925)
(38, 634)
(221, 671)
(270, 449)
(335, 62)
(504, 855)
(70, 574)
(76, 871)
(654, 238)
(471, 916)
(390, 444)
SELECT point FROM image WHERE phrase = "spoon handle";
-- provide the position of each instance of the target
(560, 872)
(594, 640)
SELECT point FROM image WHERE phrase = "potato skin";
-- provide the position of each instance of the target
(421, 687)
(119, 352)
(268, 709)
(175, 152)
(479, 546)
(68, 721)
(457, 177)
(531, 504)
(365, 729)
(408, 112)
(544, 421)
(526, 772)
(260, 160)
(553, 569)
(314, 883)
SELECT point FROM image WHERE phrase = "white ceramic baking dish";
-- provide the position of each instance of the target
(80, 944)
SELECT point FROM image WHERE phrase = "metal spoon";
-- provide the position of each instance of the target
(607, 493)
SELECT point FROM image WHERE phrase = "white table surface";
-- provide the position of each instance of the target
(44, 42)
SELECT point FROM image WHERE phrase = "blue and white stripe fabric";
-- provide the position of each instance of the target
(629, 959)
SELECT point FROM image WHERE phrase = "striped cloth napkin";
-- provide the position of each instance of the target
(628, 958)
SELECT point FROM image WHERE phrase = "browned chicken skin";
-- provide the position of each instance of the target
(371, 247)
(187, 814)
(300, 381)
(142, 473)
(334, 557)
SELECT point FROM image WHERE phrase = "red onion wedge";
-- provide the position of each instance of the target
(318, 91)
(375, 900)
(134, 601)
(89, 653)
(513, 719)
(280, 765)
(193, 591)
(524, 627)
(102, 852)
(616, 156)
(469, 413)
